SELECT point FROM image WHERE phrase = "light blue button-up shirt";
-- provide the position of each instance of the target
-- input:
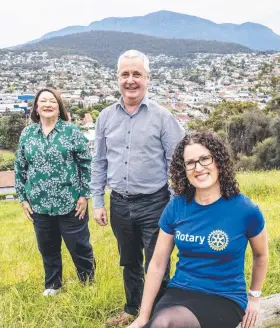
(132, 153)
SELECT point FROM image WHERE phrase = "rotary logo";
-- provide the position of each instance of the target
(218, 240)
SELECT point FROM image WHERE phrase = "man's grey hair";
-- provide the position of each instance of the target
(135, 54)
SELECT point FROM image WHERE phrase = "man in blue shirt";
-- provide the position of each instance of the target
(135, 140)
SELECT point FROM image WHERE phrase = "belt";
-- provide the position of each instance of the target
(138, 196)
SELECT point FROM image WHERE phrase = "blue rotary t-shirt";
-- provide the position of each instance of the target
(211, 241)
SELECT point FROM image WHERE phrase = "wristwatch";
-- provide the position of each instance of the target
(255, 293)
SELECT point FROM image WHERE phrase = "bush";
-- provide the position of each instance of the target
(246, 163)
(266, 154)
(7, 165)
(3, 196)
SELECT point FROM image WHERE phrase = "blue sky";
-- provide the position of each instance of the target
(22, 21)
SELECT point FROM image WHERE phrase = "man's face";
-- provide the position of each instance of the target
(133, 80)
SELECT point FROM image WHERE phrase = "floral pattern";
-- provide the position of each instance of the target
(52, 172)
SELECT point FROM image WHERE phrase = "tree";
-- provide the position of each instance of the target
(273, 106)
(99, 106)
(81, 112)
(117, 94)
(83, 94)
(80, 105)
(265, 155)
(74, 109)
(219, 119)
(94, 114)
(246, 130)
(275, 130)
(10, 130)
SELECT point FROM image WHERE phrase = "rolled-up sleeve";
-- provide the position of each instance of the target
(99, 164)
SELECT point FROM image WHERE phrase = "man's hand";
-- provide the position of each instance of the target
(27, 210)
(100, 216)
(251, 314)
(81, 207)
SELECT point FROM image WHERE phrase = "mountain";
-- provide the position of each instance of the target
(167, 24)
(106, 46)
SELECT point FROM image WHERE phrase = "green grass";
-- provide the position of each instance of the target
(7, 154)
(21, 270)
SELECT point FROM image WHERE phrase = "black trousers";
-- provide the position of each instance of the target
(134, 222)
(49, 233)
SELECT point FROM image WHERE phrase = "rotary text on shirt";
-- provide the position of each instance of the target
(190, 238)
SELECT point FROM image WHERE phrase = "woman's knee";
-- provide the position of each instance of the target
(161, 322)
(175, 317)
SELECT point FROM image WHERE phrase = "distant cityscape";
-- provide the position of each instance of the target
(191, 90)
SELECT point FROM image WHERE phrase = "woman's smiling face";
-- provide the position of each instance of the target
(201, 168)
(47, 105)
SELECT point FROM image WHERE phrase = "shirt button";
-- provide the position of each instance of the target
(130, 117)
(127, 147)
(128, 132)
(125, 162)
(124, 178)
(126, 192)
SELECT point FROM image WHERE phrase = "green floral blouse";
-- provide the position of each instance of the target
(52, 172)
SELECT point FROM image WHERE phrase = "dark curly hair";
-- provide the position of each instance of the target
(180, 183)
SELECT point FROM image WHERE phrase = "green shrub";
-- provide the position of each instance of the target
(7, 165)
(3, 196)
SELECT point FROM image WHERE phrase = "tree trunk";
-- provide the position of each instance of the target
(270, 312)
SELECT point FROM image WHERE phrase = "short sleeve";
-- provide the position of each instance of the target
(166, 222)
(255, 223)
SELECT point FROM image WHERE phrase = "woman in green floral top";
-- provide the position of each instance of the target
(52, 181)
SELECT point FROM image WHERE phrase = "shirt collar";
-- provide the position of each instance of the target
(58, 126)
(145, 101)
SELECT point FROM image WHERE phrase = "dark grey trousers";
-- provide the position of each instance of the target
(49, 233)
(134, 222)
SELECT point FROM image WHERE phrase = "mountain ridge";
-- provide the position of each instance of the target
(168, 24)
(106, 46)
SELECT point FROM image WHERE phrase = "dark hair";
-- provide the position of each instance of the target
(180, 183)
(62, 110)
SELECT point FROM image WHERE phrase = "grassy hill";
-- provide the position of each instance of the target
(21, 270)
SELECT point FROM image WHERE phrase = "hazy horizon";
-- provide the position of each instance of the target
(26, 21)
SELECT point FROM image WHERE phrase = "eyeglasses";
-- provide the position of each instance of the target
(203, 161)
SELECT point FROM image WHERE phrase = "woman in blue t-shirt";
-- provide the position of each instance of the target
(210, 222)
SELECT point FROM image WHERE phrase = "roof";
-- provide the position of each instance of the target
(7, 179)
(90, 135)
(26, 97)
(88, 118)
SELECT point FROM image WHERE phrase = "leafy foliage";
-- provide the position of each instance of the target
(246, 130)
(10, 130)
(6, 164)
(253, 135)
